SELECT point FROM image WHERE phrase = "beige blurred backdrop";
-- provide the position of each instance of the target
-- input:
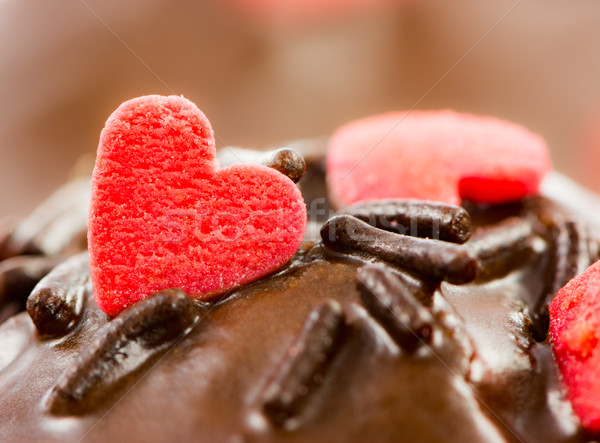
(66, 65)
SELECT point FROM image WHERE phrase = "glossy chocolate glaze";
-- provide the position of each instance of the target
(308, 354)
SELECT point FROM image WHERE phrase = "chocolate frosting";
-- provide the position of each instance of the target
(346, 343)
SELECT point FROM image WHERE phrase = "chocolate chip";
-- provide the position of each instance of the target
(392, 304)
(415, 218)
(305, 364)
(56, 303)
(503, 247)
(124, 345)
(433, 259)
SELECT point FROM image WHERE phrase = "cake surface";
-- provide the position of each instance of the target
(310, 353)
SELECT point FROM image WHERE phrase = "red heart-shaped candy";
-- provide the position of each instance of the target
(163, 214)
(575, 335)
(434, 155)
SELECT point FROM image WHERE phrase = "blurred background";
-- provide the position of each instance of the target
(267, 71)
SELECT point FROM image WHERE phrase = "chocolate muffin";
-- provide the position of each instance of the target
(394, 321)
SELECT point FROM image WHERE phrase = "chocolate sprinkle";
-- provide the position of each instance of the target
(57, 226)
(432, 259)
(415, 218)
(56, 303)
(304, 367)
(422, 289)
(19, 275)
(503, 247)
(287, 161)
(572, 253)
(124, 346)
(393, 305)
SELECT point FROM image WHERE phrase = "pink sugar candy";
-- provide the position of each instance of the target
(439, 156)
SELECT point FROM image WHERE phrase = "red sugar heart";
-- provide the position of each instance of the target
(163, 214)
(440, 156)
(575, 332)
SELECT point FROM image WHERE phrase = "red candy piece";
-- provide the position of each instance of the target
(575, 331)
(163, 214)
(440, 156)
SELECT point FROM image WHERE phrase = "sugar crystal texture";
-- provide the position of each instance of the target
(575, 331)
(440, 156)
(163, 214)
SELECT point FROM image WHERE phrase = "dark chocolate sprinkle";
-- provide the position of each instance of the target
(432, 259)
(19, 275)
(415, 218)
(503, 247)
(304, 367)
(572, 253)
(422, 289)
(392, 304)
(58, 225)
(124, 345)
(287, 161)
(56, 303)
(455, 329)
